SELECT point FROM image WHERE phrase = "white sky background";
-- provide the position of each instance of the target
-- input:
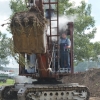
(5, 12)
(78, 1)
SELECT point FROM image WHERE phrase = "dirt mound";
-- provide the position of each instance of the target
(94, 98)
(90, 78)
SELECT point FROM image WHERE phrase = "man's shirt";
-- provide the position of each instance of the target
(67, 41)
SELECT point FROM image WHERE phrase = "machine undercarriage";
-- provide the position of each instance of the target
(71, 91)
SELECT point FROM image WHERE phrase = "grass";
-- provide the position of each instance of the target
(8, 82)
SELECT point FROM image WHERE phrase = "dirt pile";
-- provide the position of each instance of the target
(94, 98)
(90, 78)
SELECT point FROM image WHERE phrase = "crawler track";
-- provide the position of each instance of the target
(45, 92)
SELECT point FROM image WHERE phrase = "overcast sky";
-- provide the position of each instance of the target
(95, 13)
(5, 13)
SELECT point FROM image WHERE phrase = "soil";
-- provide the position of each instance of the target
(94, 98)
(90, 79)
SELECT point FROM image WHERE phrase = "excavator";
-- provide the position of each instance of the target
(36, 34)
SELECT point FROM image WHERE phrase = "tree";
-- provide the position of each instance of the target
(4, 49)
(96, 50)
(17, 6)
(84, 25)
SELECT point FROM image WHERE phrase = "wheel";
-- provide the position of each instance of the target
(8, 95)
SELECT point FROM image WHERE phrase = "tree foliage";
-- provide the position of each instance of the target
(4, 49)
(96, 52)
(17, 6)
(84, 25)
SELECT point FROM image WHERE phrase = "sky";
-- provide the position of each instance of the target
(5, 12)
(96, 15)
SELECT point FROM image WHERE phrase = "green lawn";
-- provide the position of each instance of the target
(8, 82)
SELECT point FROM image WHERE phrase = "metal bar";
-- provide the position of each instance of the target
(57, 34)
(50, 3)
(50, 19)
(34, 2)
(21, 63)
(71, 37)
(41, 6)
(53, 20)
(50, 27)
(53, 27)
(53, 35)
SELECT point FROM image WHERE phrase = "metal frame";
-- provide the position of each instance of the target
(49, 40)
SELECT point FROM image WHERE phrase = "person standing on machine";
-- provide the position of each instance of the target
(65, 46)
